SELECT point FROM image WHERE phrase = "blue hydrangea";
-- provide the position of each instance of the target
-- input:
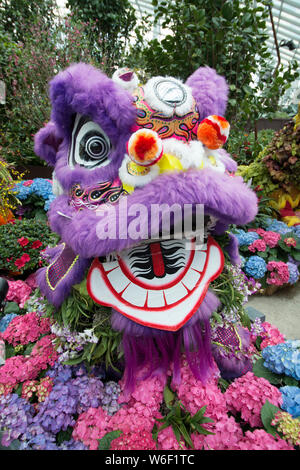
(48, 202)
(296, 230)
(5, 321)
(22, 192)
(293, 272)
(255, 266)
(291, 400)
(283, 358)
(39, 186)
(246, 238)
(278, 226)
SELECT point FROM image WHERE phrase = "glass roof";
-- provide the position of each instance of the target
(286, 19)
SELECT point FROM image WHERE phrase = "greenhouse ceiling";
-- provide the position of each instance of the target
(286, 20)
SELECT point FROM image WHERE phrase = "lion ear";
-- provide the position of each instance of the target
(210, 91)
(46, 143)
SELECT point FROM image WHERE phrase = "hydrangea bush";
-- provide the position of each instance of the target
(270, 254)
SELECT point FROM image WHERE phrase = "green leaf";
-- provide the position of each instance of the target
(261, 371)
(74, 361)
(290, 381)
(267, 413)
(11, 307)
(105, 442)
(169, 397)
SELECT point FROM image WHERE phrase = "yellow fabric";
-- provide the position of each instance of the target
(291, 220)
(168, 163)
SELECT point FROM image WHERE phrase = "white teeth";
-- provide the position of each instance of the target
(135, 295)
(190, 279)
(198, 262)
(118, 280)
(108, 266)
(175, 293)
(156, 299)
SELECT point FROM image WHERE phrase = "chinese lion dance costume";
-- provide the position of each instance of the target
(116, 146)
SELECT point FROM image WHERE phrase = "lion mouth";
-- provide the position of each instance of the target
(158, 284)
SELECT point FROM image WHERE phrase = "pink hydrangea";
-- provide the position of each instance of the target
(261, 440)
(43, 353)
(25, 329)
(167, 441)
(279, 273)
(31, 281)
(247, 394)
(19, 369)
(134, 418)
(227, 435)
(142, 440)
(18, 292)
(257, 245)
(91, 426)
(194, 394)
(271, 238)
(148, 392)
(271, 336)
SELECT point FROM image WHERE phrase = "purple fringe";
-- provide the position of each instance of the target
(156, 350)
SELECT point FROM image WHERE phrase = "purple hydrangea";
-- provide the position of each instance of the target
(16, 414)
(90, 392)
(293, 272)
(111, 394)
(56, 412)
(291, 400)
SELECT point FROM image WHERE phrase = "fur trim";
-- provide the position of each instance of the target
(190, 154)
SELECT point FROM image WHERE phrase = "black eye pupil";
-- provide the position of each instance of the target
(95, 194)
(95, 147)
(78, 192)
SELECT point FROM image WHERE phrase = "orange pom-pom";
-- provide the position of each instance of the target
(213, 131)
(145, 147)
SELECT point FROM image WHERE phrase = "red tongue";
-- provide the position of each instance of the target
(157, 259)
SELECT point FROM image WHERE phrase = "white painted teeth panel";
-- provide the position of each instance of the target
(198, 262)
(175, 293)
(135, 295)
(190, 279)
(118, 280)
(155, 299)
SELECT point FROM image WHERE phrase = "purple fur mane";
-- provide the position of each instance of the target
(155, 350)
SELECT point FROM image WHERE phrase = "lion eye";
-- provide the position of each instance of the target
(90, 145)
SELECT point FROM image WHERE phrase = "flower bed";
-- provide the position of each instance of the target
(47, 404)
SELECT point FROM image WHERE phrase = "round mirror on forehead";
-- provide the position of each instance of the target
(167, 96)
(170, 92)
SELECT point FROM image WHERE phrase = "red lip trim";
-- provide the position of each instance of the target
(97, 264)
